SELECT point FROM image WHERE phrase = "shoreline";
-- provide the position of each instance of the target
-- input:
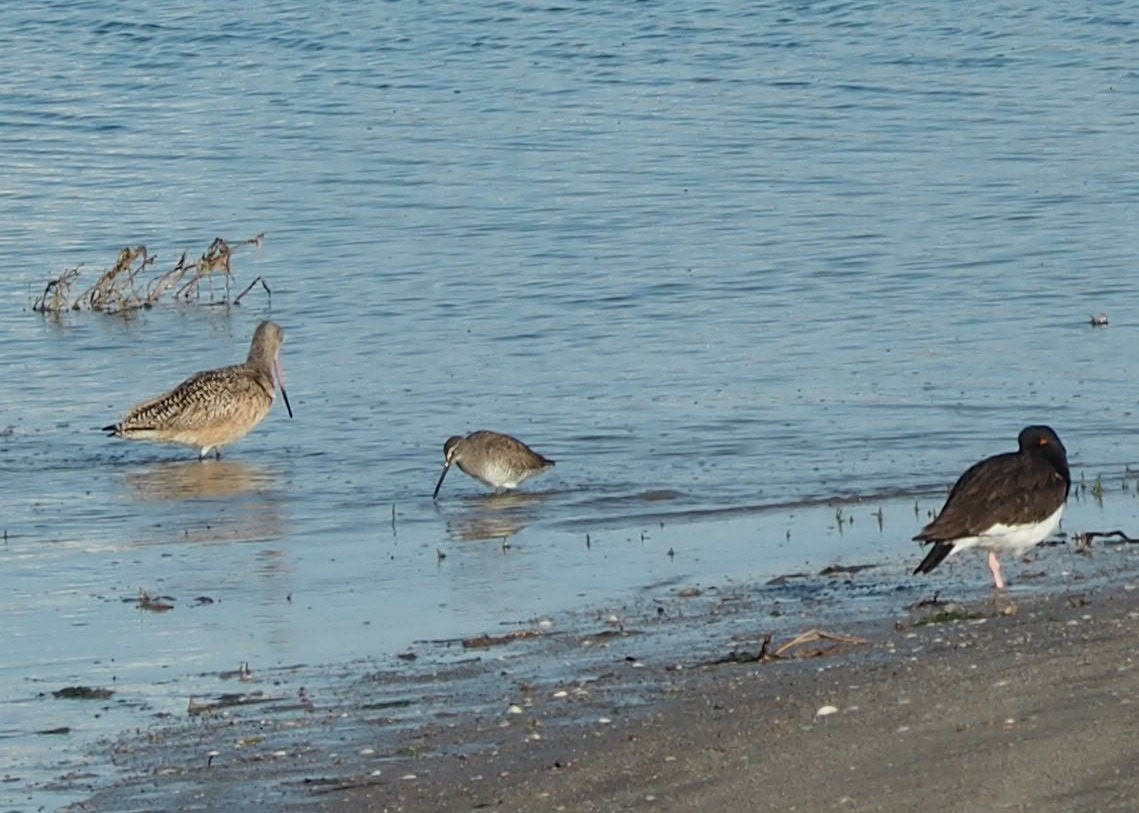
(629, 716)
(1031, 710)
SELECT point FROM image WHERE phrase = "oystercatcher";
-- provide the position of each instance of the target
(1004, 504)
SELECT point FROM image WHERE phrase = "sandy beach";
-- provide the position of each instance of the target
(1018, 701)
(1031, 710)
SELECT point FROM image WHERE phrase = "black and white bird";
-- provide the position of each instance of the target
(1005, 504)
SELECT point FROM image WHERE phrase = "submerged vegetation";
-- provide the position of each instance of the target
(131, 283)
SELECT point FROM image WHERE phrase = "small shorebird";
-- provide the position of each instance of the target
(500, 461)
(214, 408)
(1004, 504)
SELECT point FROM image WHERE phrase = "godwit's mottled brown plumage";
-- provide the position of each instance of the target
(498, 460)
(214, 408)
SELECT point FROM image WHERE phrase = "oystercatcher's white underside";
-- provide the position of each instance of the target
(1014, 539)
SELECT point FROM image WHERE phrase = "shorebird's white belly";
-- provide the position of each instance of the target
(497, 475)
(1014, 539)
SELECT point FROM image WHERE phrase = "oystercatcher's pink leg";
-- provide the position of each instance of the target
(995, 566)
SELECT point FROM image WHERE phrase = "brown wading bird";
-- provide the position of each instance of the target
(214, 408)
(500, 461)
(1004, 504)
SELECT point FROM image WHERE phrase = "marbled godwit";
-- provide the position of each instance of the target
(1004, 504)
(500, 461)
(214, 408)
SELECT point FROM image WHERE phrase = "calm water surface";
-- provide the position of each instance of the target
(716, 262)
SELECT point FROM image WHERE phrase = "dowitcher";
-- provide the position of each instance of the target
(214, 408)
(500, 461)
(1004, 504)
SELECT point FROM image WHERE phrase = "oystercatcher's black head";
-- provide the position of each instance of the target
(1042, 442)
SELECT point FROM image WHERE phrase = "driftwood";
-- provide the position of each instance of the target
(768, 653)
(119, 289)
(1084, 539)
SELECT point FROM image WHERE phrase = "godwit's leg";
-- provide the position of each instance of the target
(995, 566)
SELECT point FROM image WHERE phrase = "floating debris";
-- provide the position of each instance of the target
(1098, 320)
(154, 604)
(604, 635)
(487, 641)
(387, 704)
(786, 578)
(119, 289)
(195, 708)
(843, 570)
(242, 673)
(82, 693)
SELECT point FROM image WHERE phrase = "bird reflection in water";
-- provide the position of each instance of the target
(494, 516)
(252, 511)
(192, 479)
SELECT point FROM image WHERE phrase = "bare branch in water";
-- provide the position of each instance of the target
(54, 299)
(114, 290)
(119, 289)
(162, 284)
(248, 288)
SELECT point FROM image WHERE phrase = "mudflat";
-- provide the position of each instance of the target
(1031, 704)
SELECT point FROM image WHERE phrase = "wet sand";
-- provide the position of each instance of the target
(1037, 710)
(1005, 703)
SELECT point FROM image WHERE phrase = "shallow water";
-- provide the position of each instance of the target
(719, 263)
